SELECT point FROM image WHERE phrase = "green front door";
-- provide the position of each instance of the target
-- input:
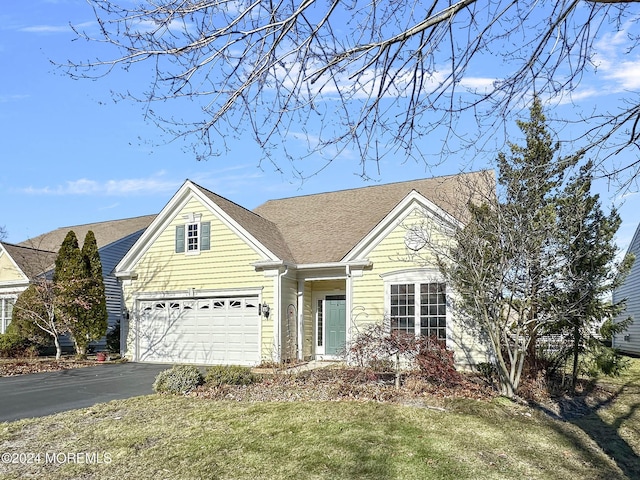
(335, 322)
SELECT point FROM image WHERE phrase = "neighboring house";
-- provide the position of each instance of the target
(210, 282)
(20, 263)
(629, 341)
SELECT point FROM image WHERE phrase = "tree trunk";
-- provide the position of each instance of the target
(58, 348)
(81, 350)
(576, 348)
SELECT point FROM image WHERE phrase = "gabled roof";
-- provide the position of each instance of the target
(263, 230)
(325, 227)
(106, 233)
(31, 261)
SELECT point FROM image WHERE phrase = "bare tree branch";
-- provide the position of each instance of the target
(366, 79)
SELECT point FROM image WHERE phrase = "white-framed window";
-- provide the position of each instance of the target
(6, 311)
(416, 302)
(193, 237)
(419, 308)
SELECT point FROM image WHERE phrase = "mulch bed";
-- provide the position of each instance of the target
(338, 384)
(12, 367)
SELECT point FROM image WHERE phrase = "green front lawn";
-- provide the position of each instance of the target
(190, 438)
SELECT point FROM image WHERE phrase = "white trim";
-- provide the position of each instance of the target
(192, 293)
(195, 251)
(408, 275)
(4, 321)
(420, 276)
(321, 295)
(395, 217)
(353, 263)
(300, 295)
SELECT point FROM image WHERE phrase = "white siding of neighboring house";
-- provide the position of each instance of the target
(629, 341)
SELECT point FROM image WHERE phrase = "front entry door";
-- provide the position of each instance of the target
(335, 320)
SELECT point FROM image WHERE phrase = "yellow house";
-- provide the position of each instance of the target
(210, 282)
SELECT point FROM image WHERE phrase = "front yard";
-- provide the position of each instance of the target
(199, 437)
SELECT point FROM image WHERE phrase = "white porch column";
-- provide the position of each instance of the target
(301, 319)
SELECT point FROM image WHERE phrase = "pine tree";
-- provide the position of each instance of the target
(531, 178)
(503, 262)
(587, 256)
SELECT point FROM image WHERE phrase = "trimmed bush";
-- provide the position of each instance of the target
(179, 379)
(230, 375)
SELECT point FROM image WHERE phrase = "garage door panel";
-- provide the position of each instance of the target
(202, 331)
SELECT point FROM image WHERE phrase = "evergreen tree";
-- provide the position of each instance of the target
(94, 321)
(503, 262)
(589, 272)
(531, 178)
(72, 282)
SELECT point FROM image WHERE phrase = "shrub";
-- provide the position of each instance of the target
(179, 379)
(113, 338)
(13, 344)
(229, 375)
(604, 360)
(376, 346)
(435, 362)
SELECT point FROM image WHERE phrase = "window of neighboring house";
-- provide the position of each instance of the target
(6, 310)
(193, 237)
(419, 308)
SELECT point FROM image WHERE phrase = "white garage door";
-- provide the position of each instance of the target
(208, 331)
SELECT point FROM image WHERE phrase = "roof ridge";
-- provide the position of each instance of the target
(378, 185)
(105, 221)
(26, 247)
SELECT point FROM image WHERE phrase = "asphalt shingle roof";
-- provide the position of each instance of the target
(31, 261)
(325, 227)
(106, 233)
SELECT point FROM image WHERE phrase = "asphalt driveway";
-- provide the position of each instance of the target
(39, 394)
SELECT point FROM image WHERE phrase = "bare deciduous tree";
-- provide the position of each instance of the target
(35, 310)
(374, 77)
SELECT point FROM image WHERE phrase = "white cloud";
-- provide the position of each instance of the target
(626, 74)
(123, 187)
(12, 98)
(46, 29)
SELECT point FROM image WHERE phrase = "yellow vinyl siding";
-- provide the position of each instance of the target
(8, 271)
(392, 255)
(227, 265)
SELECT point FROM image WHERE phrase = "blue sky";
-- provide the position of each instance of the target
(71, 155)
